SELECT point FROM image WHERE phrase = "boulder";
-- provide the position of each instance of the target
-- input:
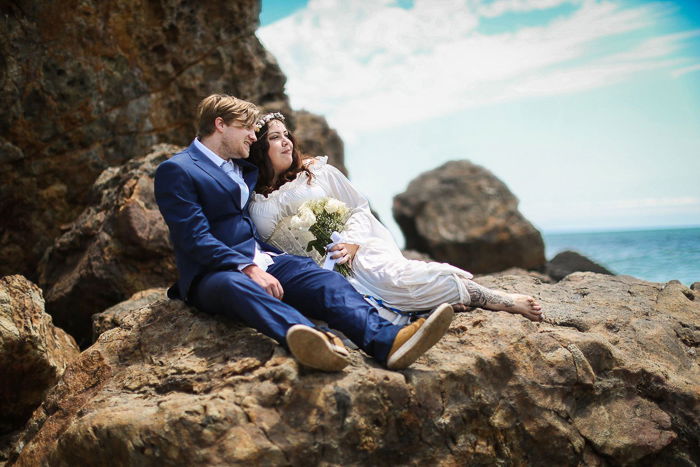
(113, 316)
(567, 262)
(611, 378)
(462, 214)
(316, 138)
(119, 245)
(33, 352)
(89, 84)
(416, 255)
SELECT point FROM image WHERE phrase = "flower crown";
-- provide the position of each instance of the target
(266, 118)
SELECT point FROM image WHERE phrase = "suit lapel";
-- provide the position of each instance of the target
(204, 163)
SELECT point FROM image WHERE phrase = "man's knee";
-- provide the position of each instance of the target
(224, 283)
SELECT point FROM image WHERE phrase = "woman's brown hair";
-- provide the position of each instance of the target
(259, 156)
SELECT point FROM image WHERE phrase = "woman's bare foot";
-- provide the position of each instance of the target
(501, 301)
(516, 304)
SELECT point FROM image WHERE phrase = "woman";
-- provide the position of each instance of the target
(379, 269)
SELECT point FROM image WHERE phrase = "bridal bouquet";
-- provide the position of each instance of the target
(309, 231)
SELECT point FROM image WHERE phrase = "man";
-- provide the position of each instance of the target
(224, 268)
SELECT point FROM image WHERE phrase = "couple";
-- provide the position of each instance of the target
(226, 268)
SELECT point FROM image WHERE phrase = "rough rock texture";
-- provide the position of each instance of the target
(611, 379)
(567, 262)
(87, 84)
(118, 246)
(33, 352)
(113, 316)
(316, 138)
(462, 214)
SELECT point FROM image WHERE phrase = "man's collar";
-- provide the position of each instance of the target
(218, 161)
(215, 158)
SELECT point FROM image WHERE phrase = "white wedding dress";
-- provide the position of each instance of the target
(379, 268)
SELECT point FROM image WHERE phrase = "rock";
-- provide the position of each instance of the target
(462, 214)
(607, 380)
(567, 262)
(118, 246)
(33, 352)
(114, 316)
(316, 138)
(89, 84)
(417, 255)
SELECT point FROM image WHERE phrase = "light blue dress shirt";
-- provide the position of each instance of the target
(262, 260)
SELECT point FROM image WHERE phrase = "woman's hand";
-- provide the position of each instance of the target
(345, 252)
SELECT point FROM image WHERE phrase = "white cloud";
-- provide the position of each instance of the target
(499, 7)
(688, 69)
(368, 64)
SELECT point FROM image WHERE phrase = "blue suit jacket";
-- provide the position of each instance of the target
(201, 205)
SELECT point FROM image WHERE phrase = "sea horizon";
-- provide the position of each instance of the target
(655, 254)
(557, 231)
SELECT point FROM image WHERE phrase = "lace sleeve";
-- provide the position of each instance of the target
(293, 241)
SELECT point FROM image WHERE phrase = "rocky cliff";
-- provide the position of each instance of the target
(116, 247)
(612, 378)
(88, 84)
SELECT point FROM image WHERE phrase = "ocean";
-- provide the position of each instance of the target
(654, 255)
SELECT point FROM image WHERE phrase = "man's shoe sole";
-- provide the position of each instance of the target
(313, 349)
(427, 335)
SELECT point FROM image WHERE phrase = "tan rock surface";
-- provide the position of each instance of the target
(462, 214)
(33, 352)
(118, 246)
(611, 379)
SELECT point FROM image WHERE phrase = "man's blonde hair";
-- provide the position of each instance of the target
(227, 107)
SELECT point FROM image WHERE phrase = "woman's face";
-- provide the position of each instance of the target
(280, 152)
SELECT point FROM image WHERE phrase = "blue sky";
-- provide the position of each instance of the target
(588, 110)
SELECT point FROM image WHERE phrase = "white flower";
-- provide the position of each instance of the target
(304, 219)
(333, 205)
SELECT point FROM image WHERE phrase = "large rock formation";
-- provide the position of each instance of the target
(316, 138)
(33, 352)
(462, 214)
(611, 378)
(87, 84)
(118, 246)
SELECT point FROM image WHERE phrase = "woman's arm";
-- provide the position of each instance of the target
(358, 228)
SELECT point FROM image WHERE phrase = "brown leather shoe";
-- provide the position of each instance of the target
(317, 349)
(415, 339)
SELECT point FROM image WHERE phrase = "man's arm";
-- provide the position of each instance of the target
(189, 228)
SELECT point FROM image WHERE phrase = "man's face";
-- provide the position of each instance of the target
(236, 141)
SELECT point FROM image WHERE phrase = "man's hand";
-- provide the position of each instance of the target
(264, 280)
(345, 252)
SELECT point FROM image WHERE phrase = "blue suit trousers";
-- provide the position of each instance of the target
(309, 292)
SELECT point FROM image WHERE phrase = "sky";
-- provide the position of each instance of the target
(589, 110)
